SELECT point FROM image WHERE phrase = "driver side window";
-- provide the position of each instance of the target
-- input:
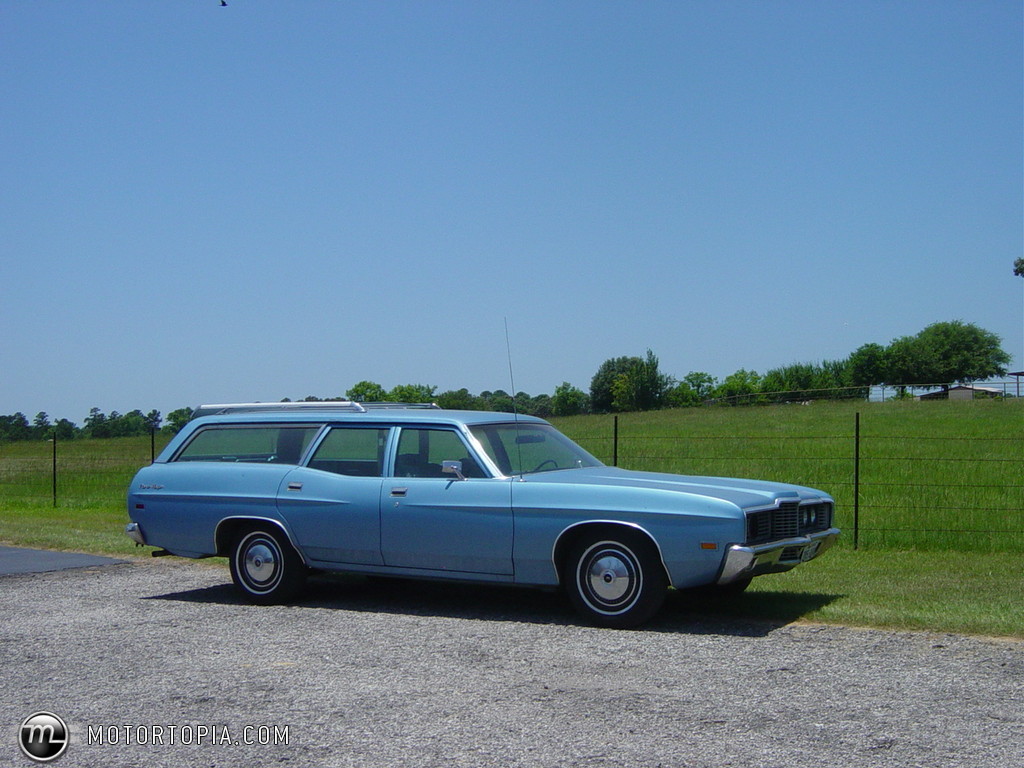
(421, 452)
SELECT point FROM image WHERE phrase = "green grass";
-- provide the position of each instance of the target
(969, 593)
(938, 476)
(89, 472)
(92, 478)
(79, 528)
(942, 502)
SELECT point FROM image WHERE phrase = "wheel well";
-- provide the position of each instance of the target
(572, 535)
(230, 528)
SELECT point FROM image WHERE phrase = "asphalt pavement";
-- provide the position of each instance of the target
(22, 560)
(158, 663)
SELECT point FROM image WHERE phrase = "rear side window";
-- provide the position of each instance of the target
(356, 451)
(237, 443)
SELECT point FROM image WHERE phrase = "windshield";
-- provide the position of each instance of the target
(525, 448)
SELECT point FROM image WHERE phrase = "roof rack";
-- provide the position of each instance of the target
(318, 405)
(398, 406)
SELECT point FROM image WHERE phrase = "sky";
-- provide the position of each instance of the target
(280, 199)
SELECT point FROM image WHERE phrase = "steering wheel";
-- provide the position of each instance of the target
(544, 463)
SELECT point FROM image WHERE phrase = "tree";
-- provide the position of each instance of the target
(411, 393)
(694, 389)
(963, 352)
(791, 382)
(499, 400)
(461, 400)
(539, 405)
(569, 400)
(1018, 267)
(738, 386)
(64, 429)
(96, 423)
(131, 424)
(153, 420)
(176, 420)
(367, 392)
(41, 426)
(701, 383)
(867, 365)
(601, 395)
(641, 387)
(805, 381)
(15, 427)
(943, 353)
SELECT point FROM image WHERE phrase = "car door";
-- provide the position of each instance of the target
(437, 521)
(332, 504)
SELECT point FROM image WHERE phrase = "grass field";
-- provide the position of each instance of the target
(967, 593)
(939, 476)
(942, 502)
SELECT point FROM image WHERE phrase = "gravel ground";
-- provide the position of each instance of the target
(389, 673)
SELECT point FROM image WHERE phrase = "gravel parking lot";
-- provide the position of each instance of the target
(157, 663)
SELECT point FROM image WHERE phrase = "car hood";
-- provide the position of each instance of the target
(745, 494)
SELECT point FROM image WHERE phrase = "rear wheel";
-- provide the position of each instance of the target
(265, 567)
(615, 581)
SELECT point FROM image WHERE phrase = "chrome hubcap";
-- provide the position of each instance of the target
(260, 562)
(610, 578)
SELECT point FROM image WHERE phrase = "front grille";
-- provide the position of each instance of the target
(788, 519)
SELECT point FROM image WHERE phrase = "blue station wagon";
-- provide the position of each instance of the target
(283, 489)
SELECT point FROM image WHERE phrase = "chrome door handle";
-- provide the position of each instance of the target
(399, 491)
(294, 486)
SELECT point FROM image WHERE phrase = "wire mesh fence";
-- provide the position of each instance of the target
(72, 472)
(894, 489)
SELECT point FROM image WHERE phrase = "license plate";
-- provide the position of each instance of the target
(810, 551)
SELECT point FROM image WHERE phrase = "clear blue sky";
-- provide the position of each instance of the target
(278, 199)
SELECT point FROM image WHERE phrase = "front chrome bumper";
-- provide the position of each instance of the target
(134, 532)
(774, 557)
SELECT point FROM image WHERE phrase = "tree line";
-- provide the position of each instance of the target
(941, 354)
(97, 424)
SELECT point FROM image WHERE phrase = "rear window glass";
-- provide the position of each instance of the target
(270, 444)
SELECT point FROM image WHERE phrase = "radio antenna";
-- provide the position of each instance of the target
(511, 377)
(515, 407)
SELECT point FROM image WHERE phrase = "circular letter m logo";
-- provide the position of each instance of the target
(43, 737)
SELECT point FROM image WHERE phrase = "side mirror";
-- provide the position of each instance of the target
(453, 468)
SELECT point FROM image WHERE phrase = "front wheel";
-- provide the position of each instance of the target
(615, 581)
(265, 567)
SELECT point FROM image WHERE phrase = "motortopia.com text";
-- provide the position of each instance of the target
(188, 735)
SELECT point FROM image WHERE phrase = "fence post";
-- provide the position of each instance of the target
(54, 470)
(856, 481)
(152, 446)
(615, 442)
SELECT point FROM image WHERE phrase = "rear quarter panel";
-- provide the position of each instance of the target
(179, 505)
